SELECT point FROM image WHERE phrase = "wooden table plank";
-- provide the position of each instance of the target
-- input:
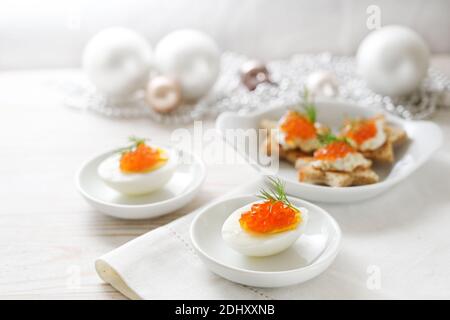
(49, 237)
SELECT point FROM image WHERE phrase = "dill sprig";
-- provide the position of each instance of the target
(307, 106)
(328, 138)
(136, 141)
(276, 193)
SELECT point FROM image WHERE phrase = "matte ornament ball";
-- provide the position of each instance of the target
(393, 60)
(163, 94)
(254, 73)
(117, 61)
(193, 58)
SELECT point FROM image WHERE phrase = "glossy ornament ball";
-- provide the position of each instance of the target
(192, 57)
(117, 61)
(393, 60)
(253, 73)
(322, 83)
(163, 94)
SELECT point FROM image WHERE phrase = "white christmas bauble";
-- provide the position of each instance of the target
(192, 57)
(322, 83)
(117, 61)
(393, 60)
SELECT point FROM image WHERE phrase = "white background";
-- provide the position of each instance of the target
(52, 33)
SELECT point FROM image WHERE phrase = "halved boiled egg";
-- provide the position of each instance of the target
(140, 169)
(264, 228)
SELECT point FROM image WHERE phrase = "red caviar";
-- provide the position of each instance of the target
(297, 126)
(362, 131)
(270, 217)
(334, 150)
(141, 159)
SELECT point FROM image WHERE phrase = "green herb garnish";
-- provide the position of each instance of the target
(277, 193)
(307, 107)
(328, 138)
(136, 142)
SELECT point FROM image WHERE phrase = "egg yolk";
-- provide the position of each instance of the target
(297, 126)
(270, 217)
(333, 151)
(142, 159)
(362, 131)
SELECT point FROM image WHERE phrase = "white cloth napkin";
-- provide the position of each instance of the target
(162, 264)
(394, 246)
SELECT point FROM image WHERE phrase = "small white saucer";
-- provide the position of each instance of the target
(309, 256)
(181, 188)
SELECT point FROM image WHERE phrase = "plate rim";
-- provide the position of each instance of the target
(333, 253)
(376, 186)
(104, 153)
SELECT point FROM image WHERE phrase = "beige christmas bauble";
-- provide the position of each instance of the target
(163, 94)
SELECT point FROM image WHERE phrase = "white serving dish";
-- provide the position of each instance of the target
(425, 138)
(181, 188)
(308, 257)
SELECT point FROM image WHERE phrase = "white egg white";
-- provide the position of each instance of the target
(137, 183)
(259, 245)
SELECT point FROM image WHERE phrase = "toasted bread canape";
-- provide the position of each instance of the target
(272, 147)
(322, 158)
(397, 136)
(385, 153)
(336, 164)
(296, 134)
(298, 128)
(374, 138)
(358, 177)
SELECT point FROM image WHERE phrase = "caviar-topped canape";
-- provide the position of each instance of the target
(365, 134)
(298, 127)
(337, 164)
(337, 154)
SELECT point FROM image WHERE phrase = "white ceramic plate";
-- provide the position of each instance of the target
(424, 139)
(309, 256)
(181, 188)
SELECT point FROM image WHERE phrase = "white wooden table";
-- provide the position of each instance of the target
(49, 237)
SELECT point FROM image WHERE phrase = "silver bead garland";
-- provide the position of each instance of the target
(229, 94)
